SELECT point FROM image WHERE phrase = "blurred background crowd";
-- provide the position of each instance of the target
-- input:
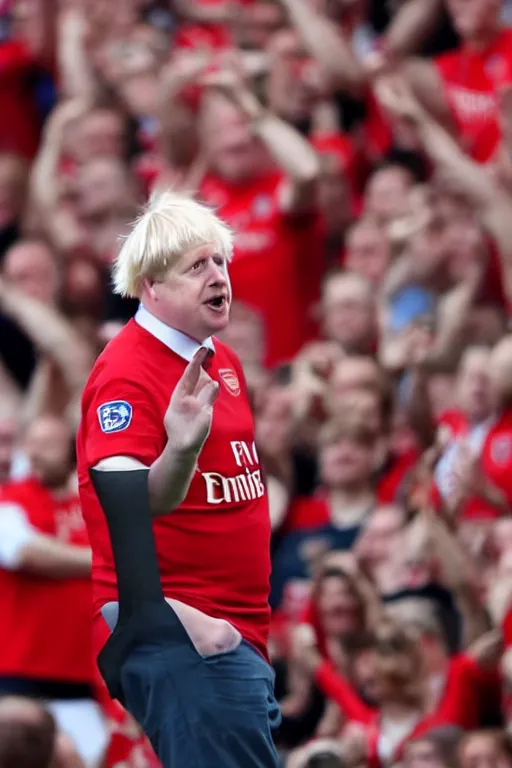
(361, 150)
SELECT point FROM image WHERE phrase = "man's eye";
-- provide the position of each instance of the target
(197, 265)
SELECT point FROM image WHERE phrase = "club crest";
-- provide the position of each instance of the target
(230, 380)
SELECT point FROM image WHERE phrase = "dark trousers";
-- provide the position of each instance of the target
(213, 712)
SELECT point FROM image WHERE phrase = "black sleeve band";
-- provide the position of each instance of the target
(124, 499)
(143, 613)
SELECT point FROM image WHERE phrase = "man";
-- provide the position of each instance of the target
(45, 590)
(206, 697)
(261, 179)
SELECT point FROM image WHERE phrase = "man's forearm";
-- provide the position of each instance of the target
(494, 202)
(51, 333)
(169, 479)
(47, 557)
(77, 77)
(295, 156)
(327, 45)
(410, 25)
(290, 150)
(447, 155)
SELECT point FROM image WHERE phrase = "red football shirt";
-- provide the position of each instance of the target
(45, 627)
(496, 457)
(277, 262)
(214, 550)
(495, 446)
(456, 424)
(471, 79)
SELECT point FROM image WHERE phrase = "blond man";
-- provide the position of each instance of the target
(167, 402)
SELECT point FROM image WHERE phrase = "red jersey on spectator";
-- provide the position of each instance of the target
(19, 128)
(472, 78)
(493, 439)
(391, 478)
(496, 457)
(277, 261)
(455, 423)
(458, 705)
(203, 36)
(213, 551)
(45, 630)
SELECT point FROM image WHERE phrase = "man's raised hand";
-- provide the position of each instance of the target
(188, 418)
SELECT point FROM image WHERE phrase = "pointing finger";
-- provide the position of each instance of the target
(190, 377)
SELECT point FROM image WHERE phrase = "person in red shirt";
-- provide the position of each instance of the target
(45, 590)
(461, 88)
(483, 470)
(261, 180)
(400, 689)
(467, 425)
(150, 405)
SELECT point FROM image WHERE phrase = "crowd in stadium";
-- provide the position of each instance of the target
(361, 152)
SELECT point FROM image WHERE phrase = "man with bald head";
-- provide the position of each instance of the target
(45, 590)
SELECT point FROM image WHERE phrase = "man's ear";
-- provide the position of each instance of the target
(149, 287)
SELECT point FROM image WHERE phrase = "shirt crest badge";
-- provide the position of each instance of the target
(115, 416)
(230, 381)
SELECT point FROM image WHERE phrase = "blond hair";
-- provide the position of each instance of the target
(170, 226)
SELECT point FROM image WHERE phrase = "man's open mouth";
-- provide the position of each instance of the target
(217, 302)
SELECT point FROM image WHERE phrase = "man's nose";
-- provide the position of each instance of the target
(218, 275)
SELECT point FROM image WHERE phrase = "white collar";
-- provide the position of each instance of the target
(178, 342)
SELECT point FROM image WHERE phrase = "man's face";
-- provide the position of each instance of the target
(345, 463)
(474, 388)
(500, 369)
(348, 315)
(295, 83)
(381, 535)
(482, 751)
(195, 296)
(100, 134)
(101, 186)
(339, 607)
(351, 376)
(472, 18)
(256, 23)
(47, 445)
(30, 268)
(368, 253)
(422, 754)
(387, 194)
(229, 143)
